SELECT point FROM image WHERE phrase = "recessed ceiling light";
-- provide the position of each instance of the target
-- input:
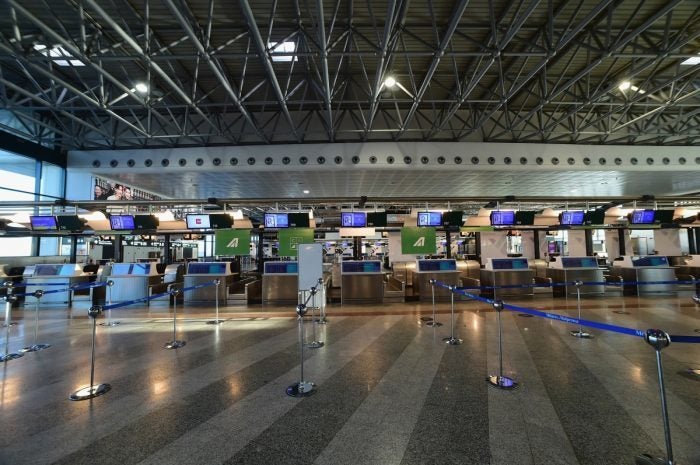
(390, 82)
(306, 191)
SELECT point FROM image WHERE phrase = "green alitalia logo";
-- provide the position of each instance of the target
(232, 242)
(291, 238)
(419, 241)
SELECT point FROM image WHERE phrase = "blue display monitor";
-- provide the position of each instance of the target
(121, 222)
(43, 223)
(281, 268)
(574, 217)
(429, 219)
(502, 218)
(510, 263)
(369, 266)
(655, 260)
(353, 219)
(207, 268)
(579, 262)
(121, 269)
(642, 217)
(198, 222)
(437, 265)
(276, 220)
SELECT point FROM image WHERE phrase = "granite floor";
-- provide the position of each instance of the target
(389, 390)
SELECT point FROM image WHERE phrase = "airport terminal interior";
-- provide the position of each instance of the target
(331, 232)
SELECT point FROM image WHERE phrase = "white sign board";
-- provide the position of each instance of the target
(310, 258)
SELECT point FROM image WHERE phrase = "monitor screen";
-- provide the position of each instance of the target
(220, 220)
(642, 217)
(119, 269)
(47, 270)
(361, 266)
(121, 222)
(70, 223)
(595, 217)
(525, 218)
(198, 222)
(502, 218)
(207, 268)
(149, 222)
(298, 220)
(141, 268)
(276, 220)
(664, 216)
(43, 223)
(353, 219)
(376, 219)
(453, 218)
(573, 217)
(429, 219)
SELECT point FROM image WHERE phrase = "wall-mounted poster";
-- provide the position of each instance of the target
(104, 189)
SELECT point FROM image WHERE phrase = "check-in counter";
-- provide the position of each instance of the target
(507, 272)
(362, 282)
(204, 273)
(443, 270)
(571, 269)
(690, 270)
(131, 281)
(280, 283)
(468, 269)
(645, 269)
(61, 276)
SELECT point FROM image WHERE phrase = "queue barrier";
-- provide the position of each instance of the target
(303, 388)
(582, 283)
(656, 338)
(94, 390)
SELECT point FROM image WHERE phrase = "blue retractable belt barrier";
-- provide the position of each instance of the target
(567, 319)
(76, 287)
(156, 296)
(585, 283)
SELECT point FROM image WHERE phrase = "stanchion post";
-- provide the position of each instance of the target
(499, 381)
(433, 322)
(217, 321)
(92, 390)
(452, 340)
(322, 317)
(175, 344)
(9, 300)
(38, 294)
(580, 333)
(109, 321)
(314, 344)
(659, 340)
(302, 388)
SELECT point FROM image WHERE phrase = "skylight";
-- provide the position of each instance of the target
(276, 49)
(691, 61)
(58, 51)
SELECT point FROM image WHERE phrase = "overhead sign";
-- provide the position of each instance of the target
(232, 242)
(290, 238)
(419, 241)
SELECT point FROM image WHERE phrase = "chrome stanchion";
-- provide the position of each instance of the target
(500, 381)
(175, 344)
(9, 285)
(322, 318)
(109, 321)
(9, 300)
(92, 390)
(302, 388)
(314, 344)
(452, 340)
(217, 321)
(36, 346)
(433, 322)
(659, 340)
(580, 333)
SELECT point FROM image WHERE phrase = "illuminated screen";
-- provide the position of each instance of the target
(47, 270)
(207, 268)
(437, 265)
(140, 268)
(362, 267)
(120, 269)
(353, 219)
(281, 268)
(276, 220)
(643, 217)
(429, 219)
(43, 223)
(198, 222)
(121, 222)
(574, 217)
(502, 218)
(510, 264)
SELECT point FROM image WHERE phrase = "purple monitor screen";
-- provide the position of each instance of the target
(121, 222)
(276, 220)
(429, 219)
(643, 217)
(502, 218)
(572, 217)
(353, 219)
(43, 223)
(198, 222)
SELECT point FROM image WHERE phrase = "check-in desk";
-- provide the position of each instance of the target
(443, 270)
(507, 272)
(571, 269)
(59, 276)
(362, 282)
(469, 269)
(691, 270)
(642, 269)
(131, 281)
(280, 283)
(204, 273)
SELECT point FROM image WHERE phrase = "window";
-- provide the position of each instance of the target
(282, 51)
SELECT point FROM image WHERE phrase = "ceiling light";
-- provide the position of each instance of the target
(390, 82)
(141, 87)
(306, 191)
(691, 61)
(624, 85)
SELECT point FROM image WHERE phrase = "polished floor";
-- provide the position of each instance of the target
(389, 390)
